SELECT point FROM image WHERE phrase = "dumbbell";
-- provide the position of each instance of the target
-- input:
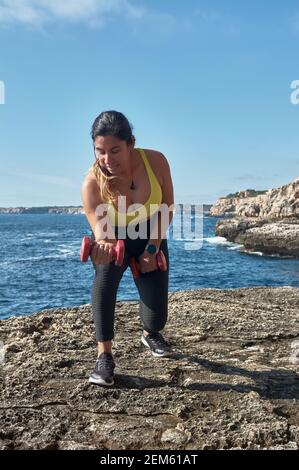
(161, 261)
(87, 245)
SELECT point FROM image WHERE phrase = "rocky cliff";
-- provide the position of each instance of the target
(268, 223)
(261, 235)
(274, 204)
(232, 382)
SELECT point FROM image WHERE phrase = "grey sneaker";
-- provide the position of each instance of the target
(157, 344)
(103, 371)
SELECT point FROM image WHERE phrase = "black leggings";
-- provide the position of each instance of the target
(152, 288)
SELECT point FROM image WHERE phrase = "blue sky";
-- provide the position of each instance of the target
(205, 82)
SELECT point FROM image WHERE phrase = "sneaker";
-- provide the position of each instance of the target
(103, 371)
(157, 344)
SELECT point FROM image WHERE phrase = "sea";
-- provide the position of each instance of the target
(40, 265)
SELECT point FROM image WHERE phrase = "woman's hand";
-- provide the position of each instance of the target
(147, 262)
(103, 251)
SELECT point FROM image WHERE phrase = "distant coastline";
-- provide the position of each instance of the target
(73, 210)
(43, 210)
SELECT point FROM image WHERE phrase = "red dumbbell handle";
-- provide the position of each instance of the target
(161, 261)
(134, 268)
(87, 245)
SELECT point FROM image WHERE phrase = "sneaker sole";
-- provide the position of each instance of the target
(100, 381)
(166, 354)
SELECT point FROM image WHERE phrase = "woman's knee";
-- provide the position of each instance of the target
(153, 320)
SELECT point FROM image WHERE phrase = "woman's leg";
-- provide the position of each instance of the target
(104, 292)
(153, 291)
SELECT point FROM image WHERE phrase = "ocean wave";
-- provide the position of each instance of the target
(69, 245)
(235, 247)
(47, 234)
(29, 236)
(258, 253)
(67, 251)
(63, 254)
(218, 241)
(269, 255)
(195, 240)
(37, 235)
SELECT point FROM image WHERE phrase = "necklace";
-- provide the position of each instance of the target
(132, 185)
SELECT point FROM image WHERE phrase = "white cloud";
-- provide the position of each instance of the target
(15, 11)
(92, 12)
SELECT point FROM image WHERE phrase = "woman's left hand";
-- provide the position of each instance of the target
(147, 262)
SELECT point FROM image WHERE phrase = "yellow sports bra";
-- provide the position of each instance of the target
(139, 212)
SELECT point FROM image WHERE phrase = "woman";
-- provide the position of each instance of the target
(123, 175)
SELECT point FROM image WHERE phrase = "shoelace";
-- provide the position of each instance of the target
(105, 363)
(158, 340)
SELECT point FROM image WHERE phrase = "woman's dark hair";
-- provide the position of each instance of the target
(115, 124)
(112, 123)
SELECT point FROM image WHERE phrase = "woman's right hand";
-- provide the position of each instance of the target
(103, 251)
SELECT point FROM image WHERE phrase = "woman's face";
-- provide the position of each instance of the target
(112, 154)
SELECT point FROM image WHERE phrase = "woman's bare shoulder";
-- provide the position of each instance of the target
(89, 178)
(157, 160)
(154, 156)
(89, 184)
(90, 192)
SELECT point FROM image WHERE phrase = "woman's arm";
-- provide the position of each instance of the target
(94, 209)
(103, 250)
(159, 232)
(148, 262)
